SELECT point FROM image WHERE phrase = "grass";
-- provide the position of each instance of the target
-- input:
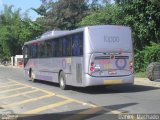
(141, 74)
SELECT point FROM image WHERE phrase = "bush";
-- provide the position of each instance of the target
(139, 64)
(149, 54)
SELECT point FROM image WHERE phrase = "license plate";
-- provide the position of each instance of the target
(110, 82)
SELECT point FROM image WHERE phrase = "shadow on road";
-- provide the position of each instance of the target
(115, 89)
(47, 83)
(106, 89)
(83, 114)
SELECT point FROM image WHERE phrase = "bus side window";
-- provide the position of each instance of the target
(48, 49)
(53, 46)
(77, 45)
(59, 47)
(41, 50)
(66, 46)
(33, 50)
(69, 46)
(64, 42)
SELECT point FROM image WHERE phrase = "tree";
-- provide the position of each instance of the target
(143, 17)
(14, 31)
(110, 14)
(63, 14)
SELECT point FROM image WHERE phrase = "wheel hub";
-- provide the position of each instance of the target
(62, 82)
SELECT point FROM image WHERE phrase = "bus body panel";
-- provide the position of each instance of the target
(108, 38)
(48, 69)
(110, 50)
(93, 81)
(112, 64)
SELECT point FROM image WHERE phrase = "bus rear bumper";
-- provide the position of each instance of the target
(93, 81)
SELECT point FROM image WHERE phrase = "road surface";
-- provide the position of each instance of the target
(45, 100)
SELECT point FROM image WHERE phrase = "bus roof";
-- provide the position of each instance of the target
(71, 32)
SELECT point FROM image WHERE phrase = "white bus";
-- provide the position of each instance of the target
(89, 56)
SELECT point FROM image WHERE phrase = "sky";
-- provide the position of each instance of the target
(24, 5)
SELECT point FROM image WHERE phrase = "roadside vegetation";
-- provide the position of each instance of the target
(141, 74)
(142, 16)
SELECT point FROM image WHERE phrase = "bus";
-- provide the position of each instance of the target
(88, 56)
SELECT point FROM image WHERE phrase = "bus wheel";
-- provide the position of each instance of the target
(62, 81)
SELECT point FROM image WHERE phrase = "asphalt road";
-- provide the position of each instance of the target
(45, 100)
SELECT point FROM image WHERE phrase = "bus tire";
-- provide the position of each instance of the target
(150, 69)
(62, 81)
(31, 76)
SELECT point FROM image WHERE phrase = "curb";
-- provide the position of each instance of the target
(10, 66)
(146, 82)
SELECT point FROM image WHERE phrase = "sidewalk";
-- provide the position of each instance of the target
(10, 66)
(146, 82)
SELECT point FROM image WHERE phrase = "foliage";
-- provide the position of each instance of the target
(62, 14)
(139, 64)
(150, 54)
(110, 14)
(141, 74)
(14, 31)
(143, 17)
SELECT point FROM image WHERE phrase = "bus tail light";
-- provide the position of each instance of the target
(92, 67)
(131, 66)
